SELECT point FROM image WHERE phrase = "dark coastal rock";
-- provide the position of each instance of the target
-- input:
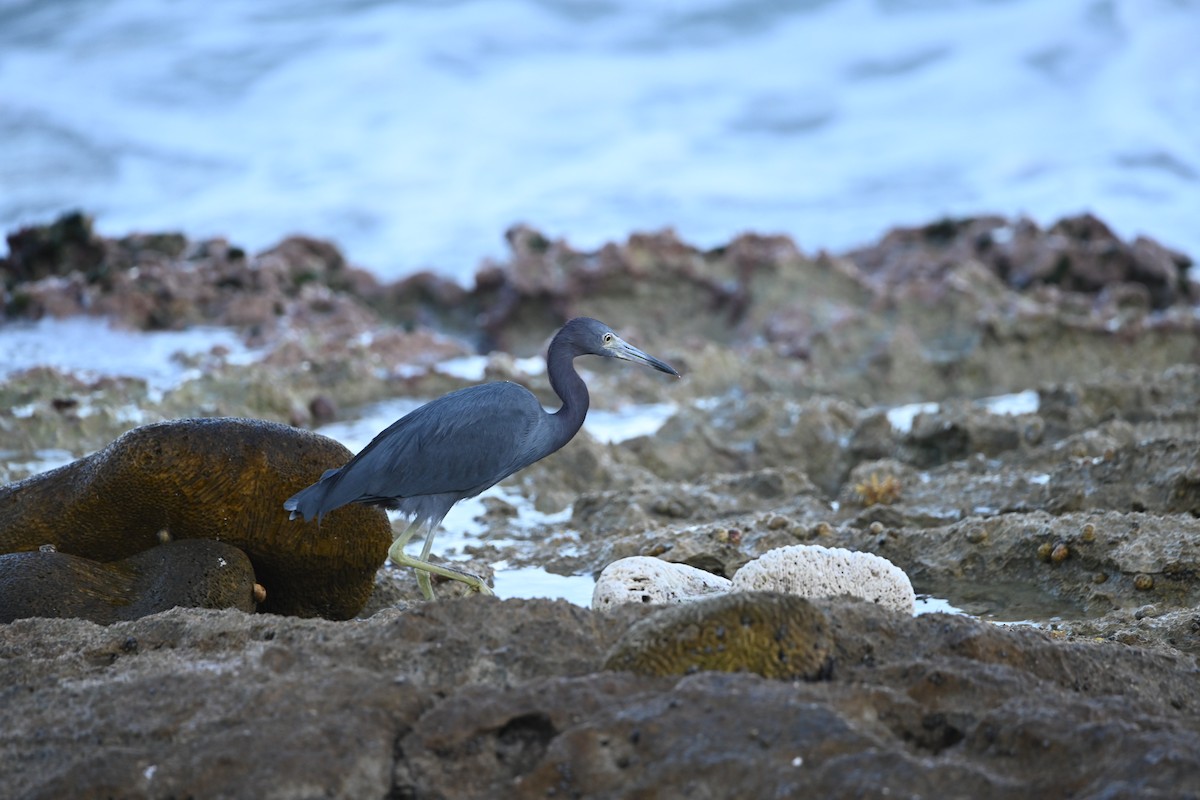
(1078, 254)
(774, 635)
(192, 573)
(1037, 565)
(69, 244)
(927, 314)
(479, 697)
(222, 479)
(547, 281)
(165, 282)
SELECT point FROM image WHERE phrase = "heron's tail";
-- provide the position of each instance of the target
(313, 501)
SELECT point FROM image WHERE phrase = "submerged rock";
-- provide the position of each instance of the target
(221, 479)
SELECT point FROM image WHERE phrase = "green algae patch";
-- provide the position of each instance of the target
(774, 635)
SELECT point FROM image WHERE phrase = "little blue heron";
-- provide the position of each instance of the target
(465, 442)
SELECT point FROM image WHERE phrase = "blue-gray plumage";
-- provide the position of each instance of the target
(464, 442)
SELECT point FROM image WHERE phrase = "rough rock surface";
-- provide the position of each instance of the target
(1074, 510)
(478, 697)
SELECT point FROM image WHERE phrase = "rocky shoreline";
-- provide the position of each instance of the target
(1076, 513)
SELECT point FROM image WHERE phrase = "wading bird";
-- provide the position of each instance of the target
(465, 442)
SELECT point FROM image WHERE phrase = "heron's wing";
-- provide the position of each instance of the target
(462, 442)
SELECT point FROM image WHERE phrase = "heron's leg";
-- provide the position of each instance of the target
(398, 557)
(396, 551)
(424, 568)
(423, 580)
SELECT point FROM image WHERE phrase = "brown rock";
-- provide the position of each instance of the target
(223, 479)
(193, 573)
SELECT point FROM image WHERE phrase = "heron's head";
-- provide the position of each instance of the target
(593, 337)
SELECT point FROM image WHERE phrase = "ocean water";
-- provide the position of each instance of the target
(414, 133)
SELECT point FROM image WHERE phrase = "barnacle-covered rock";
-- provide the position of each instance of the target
(222, 479)
(192, 573)
(774, 635)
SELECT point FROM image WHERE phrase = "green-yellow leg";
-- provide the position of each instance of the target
(424, 568)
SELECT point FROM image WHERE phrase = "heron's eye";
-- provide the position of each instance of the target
(608, 337)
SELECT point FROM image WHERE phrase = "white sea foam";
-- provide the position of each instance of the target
(414, 134)
(628, 421)
(90, 347)
(1026, 402)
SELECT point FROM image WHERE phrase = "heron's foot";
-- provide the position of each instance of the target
(425, 569)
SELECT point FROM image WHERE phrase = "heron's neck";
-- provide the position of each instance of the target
(571, 389)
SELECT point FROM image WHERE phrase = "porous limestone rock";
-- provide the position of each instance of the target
(643, 579)
(815, 571)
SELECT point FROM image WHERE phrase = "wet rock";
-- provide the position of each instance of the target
(1159, 476)
(1137, 397)
(161, 281)
(1003, 566)
(709, 525)
(546, 282)
(753, 433)
(957, 430)
(195, 573)
(1178, 629)
(222, 479)
(774, 635)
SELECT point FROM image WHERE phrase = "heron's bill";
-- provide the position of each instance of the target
(619, 348)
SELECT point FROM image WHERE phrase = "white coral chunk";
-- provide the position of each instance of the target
(641, 579)
(815, 571)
